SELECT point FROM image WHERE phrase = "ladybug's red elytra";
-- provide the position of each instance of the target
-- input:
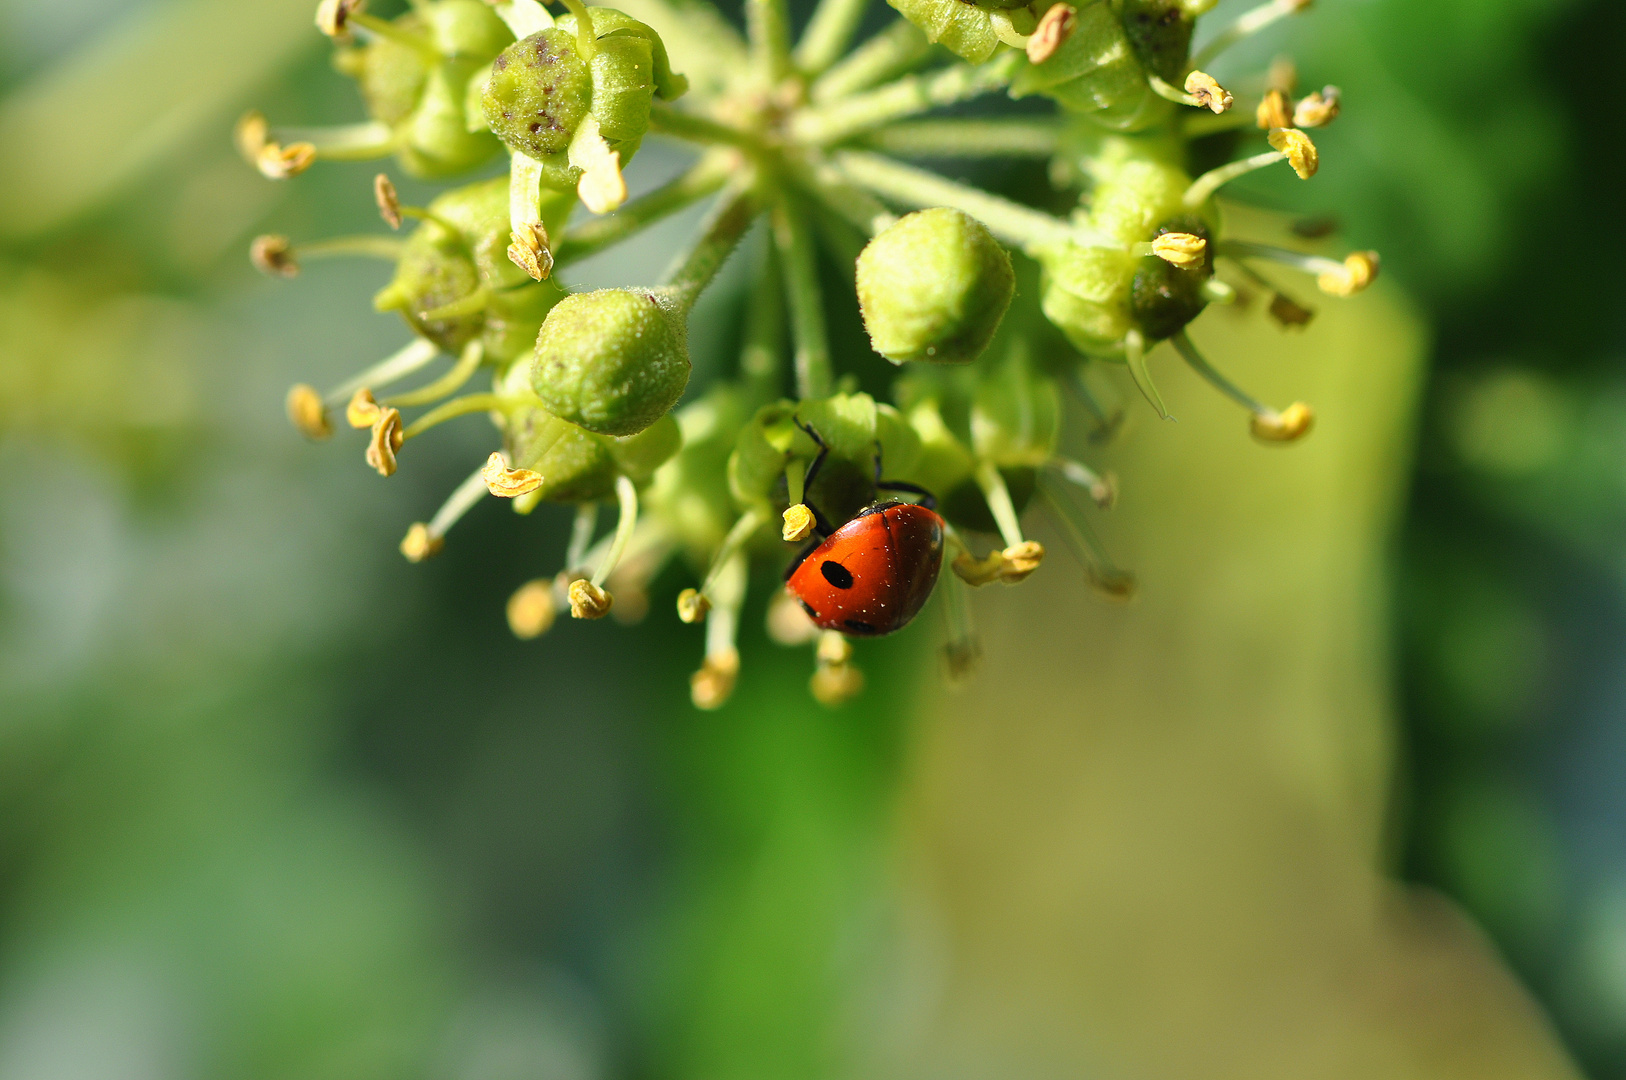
(873, 574)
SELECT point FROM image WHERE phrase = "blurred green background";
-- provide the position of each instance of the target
(274, 803)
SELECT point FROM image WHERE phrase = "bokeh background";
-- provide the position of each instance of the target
(274, 803)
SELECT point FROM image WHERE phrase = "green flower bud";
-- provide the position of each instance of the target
(435, 269)
(1098, 72)
(613, 361)
(1084, 291)
(934, 286)
(540, 89)
(965, 29)
(761, 451)
(638, 456)
(1164, 298)
(1138, 184)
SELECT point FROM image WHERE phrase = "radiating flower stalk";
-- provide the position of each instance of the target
(586, 389)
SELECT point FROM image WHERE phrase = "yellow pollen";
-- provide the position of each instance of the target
(1275, 111)
(588, 601)
(1300, 152)
(420, 544)
(1054, 28)
(692, 605)
(1208, 92)
(798, 523)
(251, 134)
(529, 250)
(1318, 110)
(1359, 271)
(307, 413)
(506, 483)
(1184, 250)
(363, 411)
(279, 162)
(979, 571)
(273, 256)
(531, 609)
(389, 203)
(386, 440)
(712, 686)
(1020, 560)
(1289, 425)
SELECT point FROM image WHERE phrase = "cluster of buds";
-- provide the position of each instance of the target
(586, 390)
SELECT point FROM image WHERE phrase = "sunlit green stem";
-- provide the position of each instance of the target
(767, 27)
(762, 357)
(1188, 350)
(462, 498)
(798, 258)
(899, 48)
(1209, 182)
(387, 248)
(956, 138)
(1250, 23)
(679, 123)
(451, 382)
(594, 235)
(524, 17)
(581, 535)
(399, 365)
(908, 96)
(828, 34)
(748, 523)
(627, 496)
(389, 31)
(728, 222)
(998, 497)
(344, 142)
(1029, 229)
(463, 406)
(827, 184)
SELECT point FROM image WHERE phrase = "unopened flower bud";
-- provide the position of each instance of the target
(1055, 27)
(712, 686)
(273, 256)
(1020, 560)
(1208, 92)
(588, 601)
(692, 605)
(1275, 111)
(506, 483)
(836, 685)
(798, 523)
(1299, 150)
(389, 203)
(1181, 249)
(1360, 269)
(420, 544)
(531, 609)
(612, 361)
(385, 441)
(1289, 425)
(362, 411)
(307, 413)
(934, 286)
(1318, 110)
(278, 162)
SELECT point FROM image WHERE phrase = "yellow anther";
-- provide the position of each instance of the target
(1055, 27)
(280, 162)
(333, 16)
(1360, 269)
(692, 605)
(1289, 312)
(420, 544)
(712, 686)
(389, 203)
(837, 685)
(834, 649)
(273, 256)
(788, 623)
(529, 250)
(362, 411)
(979, 571)
(588, 601)
(1289, 425)
(1208, 92)
(1184, 250)
(798, 523)
(531, 609)
(1276, 111)
(251, 134)
(1318, 110)
(386, 440)
(1300, 152)
(506, 483)
(1020, 560)
(307, 413)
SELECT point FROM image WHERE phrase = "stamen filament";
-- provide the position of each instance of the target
(1169, 92)
(767, 28)
(581, 535)
(387, 248)
(1203, 188)
(591, 236)
(389, 31)
(909, 95)
(1135, 360)
(961, 649)
(1246, 25)
(1188, 351)
(458, 503)
(1102, 573)
(748, 523)
(472, 304)
(808, 332)
(998, 497)
(586, 38)
(627, 495)
(399, 365)
(957, 138)
(1101, 490)
(730, 218)
(343, 142)
(467, 364)
(1298, 260)
(899, 48)
(470, 403)
(524, 17)
(828, 34)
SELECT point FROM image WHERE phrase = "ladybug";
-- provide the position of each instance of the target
(872, 575)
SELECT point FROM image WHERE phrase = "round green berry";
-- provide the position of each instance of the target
(934, 286)
(613, 361)
(538, 92)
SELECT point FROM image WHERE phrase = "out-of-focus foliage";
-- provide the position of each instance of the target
(274, 803)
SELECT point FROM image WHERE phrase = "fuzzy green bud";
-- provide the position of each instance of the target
(613, 361)
(435, 270)
(934, 286)
(1097, 72)
(1084, 291)
(965, 29)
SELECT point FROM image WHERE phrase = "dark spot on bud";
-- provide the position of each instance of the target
(535, 127)
(1160, 32)
(836, 574)
(1163, 297)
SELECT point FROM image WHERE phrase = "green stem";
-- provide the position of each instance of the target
(800, 263)
(398, 365)
(911, 94)
(449, 383)
(667, 120)
(957, 138)
(862, 210)
(899, 48)
(727, 224)
(591, 236)
(767, 27)
(418, 43)
(1188, 351)
(627, 495)
(828, 34)
(1203, 188)
(762, 357)
(1029, 229)
(471, 403)
(343, 142)
(748, 523)
(387, 248)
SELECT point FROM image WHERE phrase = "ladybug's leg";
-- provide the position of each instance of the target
(801, 556)
(821, 524)
(927, 499)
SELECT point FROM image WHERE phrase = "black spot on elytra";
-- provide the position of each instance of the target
(807, 607)
(858, 626)
(836, 574)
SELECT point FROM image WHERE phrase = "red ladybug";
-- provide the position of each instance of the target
(873, 574)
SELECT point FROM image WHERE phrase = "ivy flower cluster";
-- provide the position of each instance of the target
(586, 390)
